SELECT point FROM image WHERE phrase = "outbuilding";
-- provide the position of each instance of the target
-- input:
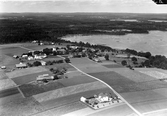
(21, 65)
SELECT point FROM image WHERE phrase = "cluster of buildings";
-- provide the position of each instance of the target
(31, 55)
(100, 101)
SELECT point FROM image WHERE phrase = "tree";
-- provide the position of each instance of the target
(37, 52)
(29, 64)
(106, 57)
(134, 59)
(146, 63)
(128, 55)
(37, 63)
(49, 63)
(124, 62)
(147, 54)
(47, 51)
(67, 60)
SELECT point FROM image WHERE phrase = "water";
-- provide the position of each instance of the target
(154, 42)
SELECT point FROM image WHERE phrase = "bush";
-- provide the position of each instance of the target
(106, 57)
(49, 63)
(56, 77)
(134, 59)
(124, 62)
(67, 60)
(29, 65)
(47, 51)
(60, 61)
(37, 63)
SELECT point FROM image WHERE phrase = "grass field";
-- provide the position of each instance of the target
(133, 75)
(3, 75)
(36, 47)
(105, 62)
(21, 107)
(22, 72)
(34, 88)
(112, 78)
(8, 92)
(6, 83)
(75, 73)
(29, 77)
(10, 51)
(71, 90)
(76, 80)
(129, 61)
(61, 65)
(7, 61)
(144, 86)
(155, 74)
(114, 66)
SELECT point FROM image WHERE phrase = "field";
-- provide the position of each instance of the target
(70, 90)
(133, 75)
(8, 61)
(34, 88)
(38, 48)
(112, 78)
(75, 73)
(155, 74)
(60, 66)
(6, 83)
(26, 71)
(8, 92)
(21, 107)
(113, 66)
(80, 79)
(2, 75)
(10, 51)
(29, 77)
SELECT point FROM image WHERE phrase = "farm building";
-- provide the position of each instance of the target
(40, 56)
(30, 58)
(15, 56)
(21, 65)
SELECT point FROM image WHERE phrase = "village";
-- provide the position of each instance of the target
(47, 56)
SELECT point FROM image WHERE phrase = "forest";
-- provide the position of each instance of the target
(22, 27)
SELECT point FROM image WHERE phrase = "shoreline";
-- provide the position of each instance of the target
(139, 42)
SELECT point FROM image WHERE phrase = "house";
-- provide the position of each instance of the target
(53, 49)
(41, 56)
(37, 57)
(30, 58)
(73, 46)
(24, 56)
(43, 63)
(3, 67)
(34, 41)
(21, 65)
(103, 97)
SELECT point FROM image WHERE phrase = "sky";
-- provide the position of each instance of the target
(120, 6)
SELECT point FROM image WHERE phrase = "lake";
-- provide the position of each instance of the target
(154, 42)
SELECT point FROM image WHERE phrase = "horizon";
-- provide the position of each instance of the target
(82, 6)
(77, 12)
